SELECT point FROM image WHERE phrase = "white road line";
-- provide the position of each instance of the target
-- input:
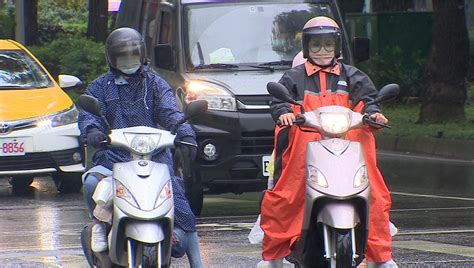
(434, 196)
(431, 158)
(433, 247)
(435, 232)
(429, 209)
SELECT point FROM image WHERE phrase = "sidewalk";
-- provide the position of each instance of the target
(458, 149)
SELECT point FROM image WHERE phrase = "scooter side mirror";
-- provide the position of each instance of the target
(92, 105)
(280, 92)
(387, 93)
(89, 104)
(192, 109)
(195, 108)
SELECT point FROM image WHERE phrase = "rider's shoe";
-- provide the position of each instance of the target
(99, 238)
(388, 264)
(277, 263)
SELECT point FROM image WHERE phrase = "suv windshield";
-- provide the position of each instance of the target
(246, 33)
(19, 70)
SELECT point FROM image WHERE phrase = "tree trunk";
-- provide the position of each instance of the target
(444, 93)
(31, 21)
(97, 23)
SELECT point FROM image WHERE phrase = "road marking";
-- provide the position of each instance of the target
(434, 247)
(434, 196)
(435, 232)
(430, 209)
(431, 158)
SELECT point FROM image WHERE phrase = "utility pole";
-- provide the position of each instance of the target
(20, 35)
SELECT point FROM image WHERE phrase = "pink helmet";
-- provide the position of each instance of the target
(298, 59)
(321, 25)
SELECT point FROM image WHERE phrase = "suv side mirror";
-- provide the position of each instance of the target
(164, 56)
(361, 48)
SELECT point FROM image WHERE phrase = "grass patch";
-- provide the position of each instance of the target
(403, 119)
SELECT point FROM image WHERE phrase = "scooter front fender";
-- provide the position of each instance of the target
(147, 232)
(340, 215)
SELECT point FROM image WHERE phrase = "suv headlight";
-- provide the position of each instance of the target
(335, 123)
(122, 192)
(142, 143)
(59, 119)
(216, 97)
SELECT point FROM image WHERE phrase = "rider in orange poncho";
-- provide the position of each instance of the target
(322, 80)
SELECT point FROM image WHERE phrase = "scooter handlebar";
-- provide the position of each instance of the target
(299, 121)
(369, 121)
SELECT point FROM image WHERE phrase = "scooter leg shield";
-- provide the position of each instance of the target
(147, 232)
(339, 215)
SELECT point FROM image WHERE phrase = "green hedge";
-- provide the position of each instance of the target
(7, 19)
(76, 56)
(391, 67)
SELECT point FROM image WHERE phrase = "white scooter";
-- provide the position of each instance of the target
(336, 213)
(142, 194)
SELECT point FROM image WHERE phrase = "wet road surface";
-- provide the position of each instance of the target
(432, 207)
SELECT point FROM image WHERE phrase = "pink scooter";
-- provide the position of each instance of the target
(335, 225)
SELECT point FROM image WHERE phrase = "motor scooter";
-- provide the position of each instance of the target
(142, 194)
(336, 213)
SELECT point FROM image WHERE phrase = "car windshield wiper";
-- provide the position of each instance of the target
(277, 63)
(260, 66)
(216, 66)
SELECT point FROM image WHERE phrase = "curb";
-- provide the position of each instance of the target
(458, 149)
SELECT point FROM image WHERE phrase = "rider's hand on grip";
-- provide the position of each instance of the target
(96, 138)
(373, 123)
(286, 119)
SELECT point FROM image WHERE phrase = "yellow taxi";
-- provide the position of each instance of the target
(38, 122)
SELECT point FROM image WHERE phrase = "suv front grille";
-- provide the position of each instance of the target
(257, 142)
(255, 100)
(31, 161)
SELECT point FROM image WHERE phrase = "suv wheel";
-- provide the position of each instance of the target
(193, 186)
(68, 182)
(21, 183)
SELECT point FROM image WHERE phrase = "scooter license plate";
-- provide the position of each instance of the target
(12, 147)
(265, 163)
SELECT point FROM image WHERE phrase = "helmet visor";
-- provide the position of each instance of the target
(322, 41)
(126, 55)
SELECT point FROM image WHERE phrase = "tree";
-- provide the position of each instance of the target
(31, 21)
(444, 93)
(98, 17)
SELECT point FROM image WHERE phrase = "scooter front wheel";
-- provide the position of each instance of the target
(343, 249)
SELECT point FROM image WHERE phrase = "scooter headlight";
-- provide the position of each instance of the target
(165, 194)
(361, 177)
(142, 143)
(315, 176)
(335, 123)
(122, 192)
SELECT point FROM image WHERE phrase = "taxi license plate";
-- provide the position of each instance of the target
(12, 146)
(265, 162)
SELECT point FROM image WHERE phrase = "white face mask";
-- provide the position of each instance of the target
(129, 64)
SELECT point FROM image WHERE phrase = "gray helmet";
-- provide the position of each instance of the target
(125, 50)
